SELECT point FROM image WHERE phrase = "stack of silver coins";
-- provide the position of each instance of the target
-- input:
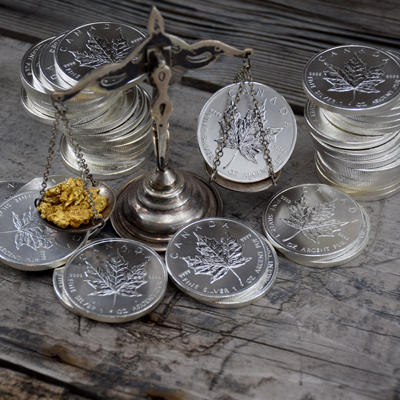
(221, 262)
(112, 129)
(353, 114)
(316, 225)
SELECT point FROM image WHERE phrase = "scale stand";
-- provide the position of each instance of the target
(153, 206)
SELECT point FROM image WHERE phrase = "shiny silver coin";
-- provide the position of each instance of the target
(102, 173)
(350, 189)
(27, 243)
(26, 73)
(9, 187)
(37, 83)
(340, 161)
(90, 46)
(75, 118)
(119, 111)
(392, 123)
(324, 131)
(313, 221)
(115, 280)
(351, 253)
(242, 159)
(364, 176)
(356, 130)
(59, 285)
(354, 181)
(271, 274)
(217, 259)
(361, 193)
(46, 117)
(361, 155)
(353, 79)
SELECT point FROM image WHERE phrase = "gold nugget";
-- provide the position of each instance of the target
(68, 204)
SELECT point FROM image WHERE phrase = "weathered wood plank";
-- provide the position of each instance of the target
(319, 333)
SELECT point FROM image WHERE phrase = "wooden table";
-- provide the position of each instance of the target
(329, 333)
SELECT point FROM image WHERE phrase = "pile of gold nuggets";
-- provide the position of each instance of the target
(68, 204)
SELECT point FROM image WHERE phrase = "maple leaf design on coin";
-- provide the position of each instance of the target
(354, 77)
(313, 222)
(217, 258)
(101, 51)
(244, 134)
(116, 277)
(31, 231)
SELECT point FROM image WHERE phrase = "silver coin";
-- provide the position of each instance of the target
(353, 79)
(364, 176)
(119, 111)
(26, 73)
(59, 285)
(361, 193)
(242, 159)
(361, 155)
(115, 280)
(313, 221)
(9, 187)
(341, 124)
(87, 47)
(271, 274)
(27, 243)
(324, 131)
(350, 254)
(217, 259)
(102, 172)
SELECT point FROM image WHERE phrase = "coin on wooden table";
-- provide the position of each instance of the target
(243, 153)
(27, 243)
(219, 261)
(90, 46)
(114, 280)
(313, 222)
(353, 79)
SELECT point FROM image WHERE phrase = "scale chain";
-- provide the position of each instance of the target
(61, 114)
(244, 75)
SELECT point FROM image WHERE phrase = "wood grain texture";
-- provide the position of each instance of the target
(318, 334)
(284, 34)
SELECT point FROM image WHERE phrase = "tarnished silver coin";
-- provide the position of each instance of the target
(313, 221)
(9, 187)
(353, 79)
(218, 260)
(90, 46)
(243, 153)
(115, 280)
(26, 242)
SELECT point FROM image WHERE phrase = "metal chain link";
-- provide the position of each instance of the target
(61, 115)
(244, 75)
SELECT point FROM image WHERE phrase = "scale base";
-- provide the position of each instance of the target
(152, 207)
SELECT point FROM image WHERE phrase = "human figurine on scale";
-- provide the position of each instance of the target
(151, 199)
